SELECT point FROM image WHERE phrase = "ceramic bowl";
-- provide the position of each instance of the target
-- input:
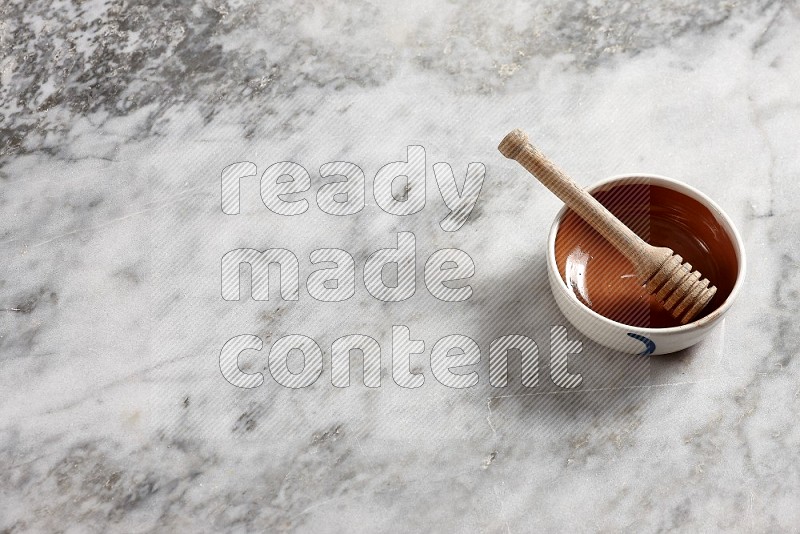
(638, 340)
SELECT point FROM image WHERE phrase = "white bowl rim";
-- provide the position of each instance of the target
(680, 187)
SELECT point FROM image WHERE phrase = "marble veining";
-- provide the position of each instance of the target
(116, 121)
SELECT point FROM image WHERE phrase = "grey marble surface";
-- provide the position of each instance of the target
(117, 120)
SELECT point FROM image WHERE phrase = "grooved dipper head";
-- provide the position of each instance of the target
(679, 289)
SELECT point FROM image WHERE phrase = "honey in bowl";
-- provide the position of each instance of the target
(604, 280)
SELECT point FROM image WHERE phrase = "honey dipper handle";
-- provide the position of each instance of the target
(515, 146)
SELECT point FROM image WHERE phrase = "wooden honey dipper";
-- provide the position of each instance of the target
(676, 287)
